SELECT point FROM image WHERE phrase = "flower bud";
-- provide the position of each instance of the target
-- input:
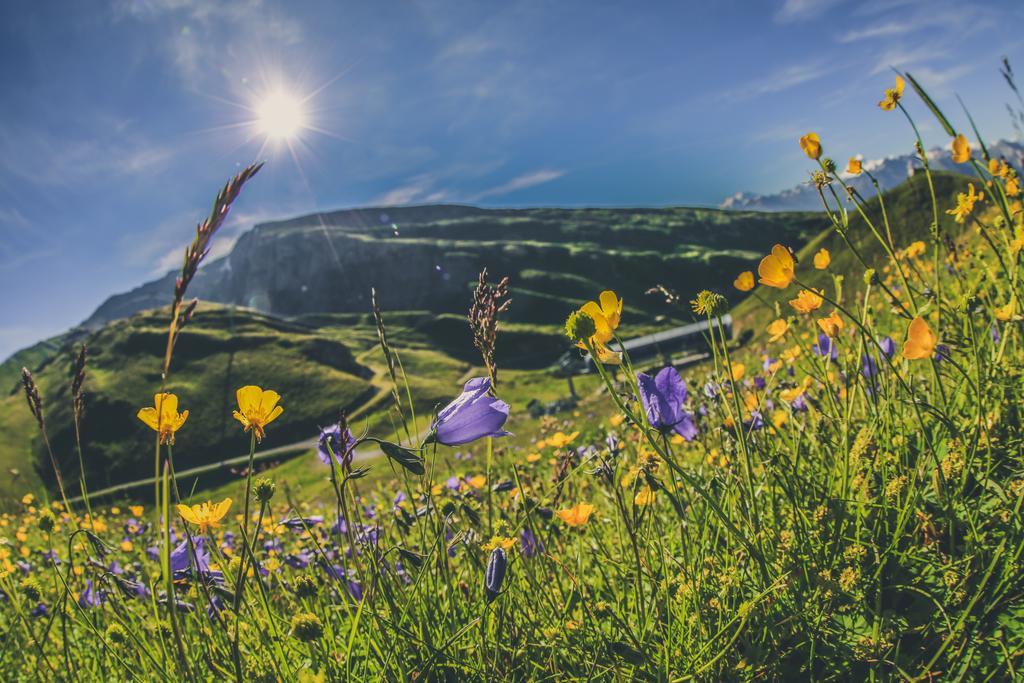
(116, 634)
(579, 326)
(306, 586)
(264, 489)
(47, 521)
(495, 574)
(31, 589)
(307, 627)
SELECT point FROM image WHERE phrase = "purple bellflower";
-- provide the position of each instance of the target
(663, 397)
(473, 415)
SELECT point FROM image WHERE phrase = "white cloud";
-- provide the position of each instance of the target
(520, 183)
(891, 28)
(779, 80)
(42, 157)
(802, 10)
(420, 188)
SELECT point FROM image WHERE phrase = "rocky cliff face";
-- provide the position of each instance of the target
(426, 258)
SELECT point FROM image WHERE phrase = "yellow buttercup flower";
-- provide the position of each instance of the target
(807, 300)
(1012, 186)
(822, 259)
(965, 202)
(1007, 312)
(893, 95)
(533, 457)
(777, 329)
(744, 281)
(961, 149)
(644, 497)
(920, 342)
(257, 408)
(832, 325)
(854, 167)
(998, 168)
(777, 268)
(915, 249)
(503, 542)
(606, 313)
(577, 515)
(738, 370)
(164, 418)
(205, 516)
(561, 439)
(811, 145)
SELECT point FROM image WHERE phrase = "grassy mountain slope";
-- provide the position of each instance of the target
(905, 205)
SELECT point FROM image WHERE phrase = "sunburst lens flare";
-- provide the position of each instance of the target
(280, 116)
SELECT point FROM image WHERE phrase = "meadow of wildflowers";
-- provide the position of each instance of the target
(839, 498)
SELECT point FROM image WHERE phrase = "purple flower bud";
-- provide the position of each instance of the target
(495, 574)
(869, 366)
(530, 545)
(332, 443)
(888, 347)
(473, 415)
(90, 597)
(826, 347)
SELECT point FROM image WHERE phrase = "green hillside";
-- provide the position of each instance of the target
(905, 206)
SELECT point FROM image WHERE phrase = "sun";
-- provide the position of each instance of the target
(280, 116)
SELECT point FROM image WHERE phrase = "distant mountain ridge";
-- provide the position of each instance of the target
(890, 172)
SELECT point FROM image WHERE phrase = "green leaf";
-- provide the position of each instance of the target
(931, 105)
(403, 456)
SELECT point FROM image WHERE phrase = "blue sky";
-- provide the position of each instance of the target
(119, 121)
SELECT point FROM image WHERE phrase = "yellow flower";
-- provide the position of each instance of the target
(1008, 311)
(854, 167)
(738, 370)
(27, 499)
(915, 249)
(822, 259)
(644, 497)
(1012, 186)
(893, 95)
(776, 269)
(811, 145)
(533, 457)
(257, 408)
(744, 281)
(777, 329)
(998, 168)
(605, 313)
(832, 325)
(206, 516)
(961, 149)
(965, 202)
(477, 481)
(561, 439)
(503, 542)
(807, 300)
(163, 418)
(577, 515)
(920, 342)
(136, 510)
